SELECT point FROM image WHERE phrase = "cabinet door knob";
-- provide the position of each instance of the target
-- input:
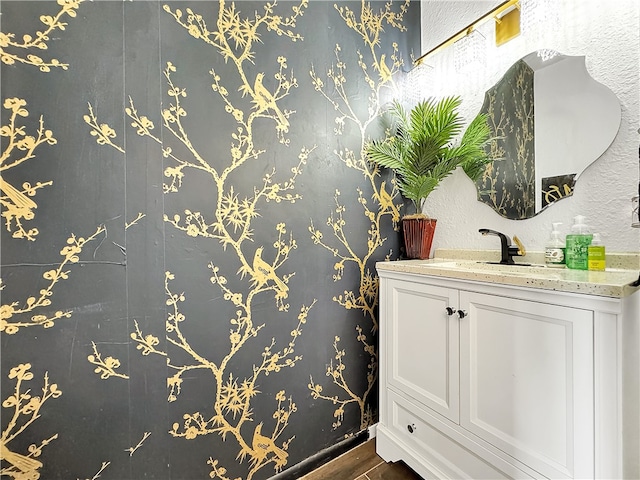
(412, 427)
(450, 310)
(462, 313)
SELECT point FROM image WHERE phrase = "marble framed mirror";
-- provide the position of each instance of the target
(551, 120)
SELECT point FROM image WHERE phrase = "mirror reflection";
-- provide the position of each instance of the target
(551, 120)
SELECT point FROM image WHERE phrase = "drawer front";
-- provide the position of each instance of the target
(422, 345)
(442, 446)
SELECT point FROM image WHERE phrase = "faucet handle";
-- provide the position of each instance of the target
(521, 250)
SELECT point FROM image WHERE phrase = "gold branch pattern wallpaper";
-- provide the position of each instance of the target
(508, 186)
(188, 285)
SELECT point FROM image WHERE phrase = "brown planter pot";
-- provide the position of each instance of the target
(418, 236)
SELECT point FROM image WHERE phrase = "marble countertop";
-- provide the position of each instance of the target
(613, 282)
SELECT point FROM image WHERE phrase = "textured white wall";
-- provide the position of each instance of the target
(608, 34)
(445, 18)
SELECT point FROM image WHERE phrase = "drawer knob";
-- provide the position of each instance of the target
(462, 313)
(411, 427)
(450, 310)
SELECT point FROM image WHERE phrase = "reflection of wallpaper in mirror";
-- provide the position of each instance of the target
(555, 188)
(509, 186)
(551, 120)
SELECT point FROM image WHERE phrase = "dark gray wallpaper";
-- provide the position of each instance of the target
(508, 184)
(190, 232)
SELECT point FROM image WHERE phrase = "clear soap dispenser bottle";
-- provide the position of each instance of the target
(578, 241)
(554, 251)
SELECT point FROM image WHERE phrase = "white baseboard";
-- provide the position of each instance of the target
(373, 431)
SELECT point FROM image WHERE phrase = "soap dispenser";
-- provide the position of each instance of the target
(577, 244)
(554, 251)
(596, 253)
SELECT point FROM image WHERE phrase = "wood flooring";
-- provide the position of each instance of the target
(362, 463)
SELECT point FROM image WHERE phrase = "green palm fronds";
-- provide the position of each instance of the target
(420, 146)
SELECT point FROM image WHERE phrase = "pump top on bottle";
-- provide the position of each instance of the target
(554, 251)
(579, 227)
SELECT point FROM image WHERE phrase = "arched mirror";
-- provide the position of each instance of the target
(551, 120)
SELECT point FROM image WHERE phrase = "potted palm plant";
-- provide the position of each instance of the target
(421, 149)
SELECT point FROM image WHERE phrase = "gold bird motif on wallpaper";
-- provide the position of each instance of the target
(262, 446)
(263, 272)
(16, 198)
(385, 73)
(386, 202)
(26, 465)
(264, 100)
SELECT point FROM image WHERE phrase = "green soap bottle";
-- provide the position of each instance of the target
(578, 241)
(597, 258)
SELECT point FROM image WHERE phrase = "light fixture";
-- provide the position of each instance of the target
(546, 54)
(417, 82)
(498, 14)
(469, 52)
(538, 18)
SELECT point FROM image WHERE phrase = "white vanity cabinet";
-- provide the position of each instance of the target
(480, 380)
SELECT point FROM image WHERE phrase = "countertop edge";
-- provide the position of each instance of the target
(614, 283)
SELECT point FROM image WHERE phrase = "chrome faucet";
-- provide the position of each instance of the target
(507, 251)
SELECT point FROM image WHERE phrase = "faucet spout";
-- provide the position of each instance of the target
(507, 251)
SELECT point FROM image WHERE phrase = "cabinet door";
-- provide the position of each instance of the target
(526, 382)
(423, 339)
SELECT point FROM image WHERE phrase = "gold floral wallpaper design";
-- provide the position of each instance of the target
(13, 315)
(21, 51)
(230, 224)
(508, 186)
(24, 408)
(226, 179)
(20, 140)
(556, 188)
(347, 250)
(17, 203)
